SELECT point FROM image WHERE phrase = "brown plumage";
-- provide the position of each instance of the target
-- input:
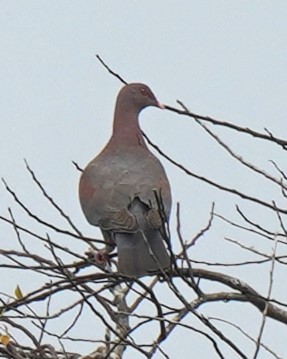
(117, 189)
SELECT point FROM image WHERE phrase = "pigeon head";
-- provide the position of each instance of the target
(137, 96)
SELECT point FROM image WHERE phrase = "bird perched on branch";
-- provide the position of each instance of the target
(125, 191)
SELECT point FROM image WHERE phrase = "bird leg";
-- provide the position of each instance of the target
(99, 257)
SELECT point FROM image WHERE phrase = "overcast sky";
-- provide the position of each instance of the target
(225, 59)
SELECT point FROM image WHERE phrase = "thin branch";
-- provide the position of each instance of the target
(212, 183)
(111, 71)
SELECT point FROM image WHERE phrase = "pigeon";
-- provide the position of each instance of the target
(126, 193)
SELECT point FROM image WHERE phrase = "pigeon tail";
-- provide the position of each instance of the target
(142, 252)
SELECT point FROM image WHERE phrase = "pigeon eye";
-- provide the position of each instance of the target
(144, 91)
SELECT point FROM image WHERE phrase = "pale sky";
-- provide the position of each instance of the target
(225, 59)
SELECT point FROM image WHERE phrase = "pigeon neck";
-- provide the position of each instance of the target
(126, 127)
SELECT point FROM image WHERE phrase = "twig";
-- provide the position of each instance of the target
(265, 311)
(111, 71)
